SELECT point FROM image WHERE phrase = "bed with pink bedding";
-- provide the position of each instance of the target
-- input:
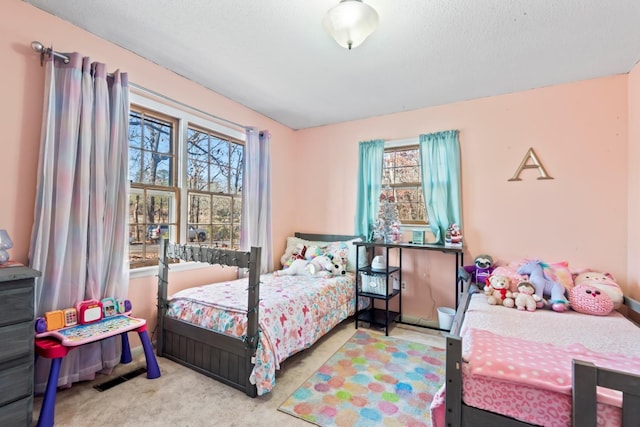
(295, 311)
(240, 331)
(507, 367)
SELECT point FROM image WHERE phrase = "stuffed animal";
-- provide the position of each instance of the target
(453, 236)
(604, 282)
(590, 300)
(480, 271)
(525, 298)
(497, 291)
(544, 286)
(338, 265)
(319, 266)
(298, 253)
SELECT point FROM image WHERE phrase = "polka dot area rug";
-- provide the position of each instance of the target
(372, 380)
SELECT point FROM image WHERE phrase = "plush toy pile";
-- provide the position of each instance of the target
(533, 284)
(313, 261)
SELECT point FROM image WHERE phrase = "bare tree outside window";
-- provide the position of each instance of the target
(401, 172)
(214, 168)
(210, 185)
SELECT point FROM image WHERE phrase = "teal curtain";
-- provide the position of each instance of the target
(371, 154)
(440, 160)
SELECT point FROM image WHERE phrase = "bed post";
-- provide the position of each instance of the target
(453, 375)
(253, 301)
(163, 281)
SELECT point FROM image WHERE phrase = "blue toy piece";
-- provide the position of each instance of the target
(545, 287)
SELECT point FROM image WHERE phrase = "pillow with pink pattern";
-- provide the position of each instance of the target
(588, 299)
(604, 282)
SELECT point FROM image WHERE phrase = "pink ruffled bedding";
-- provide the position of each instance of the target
(295, 311)
(525, 371)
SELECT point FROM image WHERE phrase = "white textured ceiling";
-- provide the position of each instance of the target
(274, 57)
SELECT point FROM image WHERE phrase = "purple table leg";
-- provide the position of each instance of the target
(47, 412)
(153, 370)
(125, 357)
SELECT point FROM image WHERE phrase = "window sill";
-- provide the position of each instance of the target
(152, 270)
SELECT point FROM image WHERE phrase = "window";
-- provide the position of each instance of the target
(401, 177)
(214, 171)
(185, 182)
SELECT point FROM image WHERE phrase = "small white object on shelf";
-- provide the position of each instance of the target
(379, 263)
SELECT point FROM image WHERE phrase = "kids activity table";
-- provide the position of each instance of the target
(55, 345)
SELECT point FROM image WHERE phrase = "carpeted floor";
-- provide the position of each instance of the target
(372, 380)
(182, 397)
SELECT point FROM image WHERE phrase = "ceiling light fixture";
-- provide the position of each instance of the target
(350, 22)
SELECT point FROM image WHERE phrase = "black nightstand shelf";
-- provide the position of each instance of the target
(378, 316)
(378, 285)
(386, 278)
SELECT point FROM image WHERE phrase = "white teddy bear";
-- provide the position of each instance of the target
(318, 266)
(497, 291)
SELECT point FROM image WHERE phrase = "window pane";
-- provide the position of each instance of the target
(219, 151)
(408, 157)
(401, 171)
(135, 130)
(157, 135)
(407, 174)
(151, 216)
(221, 235)
(236, 181)
(237, 156)
(197, 145)
(197, 173)
(150, 150)
(199, 211)
(410, 205)
(221, 209)
(235, 240)
(219, 178)
(237, 210)
(159, 209)
(135, 165)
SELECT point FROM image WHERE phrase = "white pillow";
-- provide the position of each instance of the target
(293, 242)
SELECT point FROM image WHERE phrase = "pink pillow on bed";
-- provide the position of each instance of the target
(588, 299)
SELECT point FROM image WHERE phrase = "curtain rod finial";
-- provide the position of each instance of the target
(37, 46)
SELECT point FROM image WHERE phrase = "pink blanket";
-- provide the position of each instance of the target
(540, 365)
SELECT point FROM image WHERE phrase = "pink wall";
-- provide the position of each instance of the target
(579, 133)
(633, 232)
(21, 85)
(586, 215)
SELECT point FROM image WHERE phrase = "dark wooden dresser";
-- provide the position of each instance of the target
(16, 345)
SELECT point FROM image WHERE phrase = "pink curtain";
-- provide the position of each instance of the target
(256, 197)
(78, 240)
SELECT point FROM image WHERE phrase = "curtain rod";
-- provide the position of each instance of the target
(39, 48)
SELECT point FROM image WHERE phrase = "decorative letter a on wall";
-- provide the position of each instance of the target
(534, 164)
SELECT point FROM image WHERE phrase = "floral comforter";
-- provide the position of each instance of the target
(295, 311)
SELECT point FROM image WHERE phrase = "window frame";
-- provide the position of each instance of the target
(184, 118)
(399, 145)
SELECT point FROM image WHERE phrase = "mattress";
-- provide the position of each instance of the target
(568, 334)
(294, 312)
